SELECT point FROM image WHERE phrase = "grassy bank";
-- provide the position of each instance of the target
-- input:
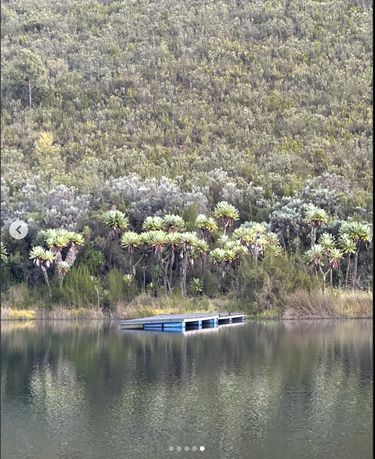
(298, 305)
(142, 305)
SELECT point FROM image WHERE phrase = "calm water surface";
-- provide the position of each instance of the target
(260, 390)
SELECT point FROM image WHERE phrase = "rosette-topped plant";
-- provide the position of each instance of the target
(174, 241)
(258, 240)
(132, 241)
(226, 214)
(315, 258)
(188, 246)
(173, 223)
(333, 254)
(316, 218)
(65, 246)
(206, 226)
(157, 241)
(43, 259)
(228, 257)
(117, 221)
(349, 248)
(360, 234)
(325, 257)
(153, 224)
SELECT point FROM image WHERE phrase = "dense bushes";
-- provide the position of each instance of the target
(266, 286)
(264, 105)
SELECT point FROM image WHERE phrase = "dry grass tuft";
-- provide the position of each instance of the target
(17, 314)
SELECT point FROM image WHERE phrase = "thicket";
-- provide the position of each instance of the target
(110, 262)
(265, 105)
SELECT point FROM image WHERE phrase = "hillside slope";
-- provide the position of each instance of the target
(273, 93)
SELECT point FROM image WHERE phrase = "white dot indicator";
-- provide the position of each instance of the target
(194, 448)
(186, 448)
(178, 448)
(202, 448)
(171, 448)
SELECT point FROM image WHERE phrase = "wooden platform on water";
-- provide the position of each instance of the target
(183, 322)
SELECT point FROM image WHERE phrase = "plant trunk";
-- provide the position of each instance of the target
(184, 267)
(136, 264)
(131, 267)
(355, 269)
(165, 269)
(313, 235)
(57, 253)
(347, 273)
(324, 279)
(204, 263)
(46, 279)
(171, 263)
(61, 278)
(160, 263)
(72, 254)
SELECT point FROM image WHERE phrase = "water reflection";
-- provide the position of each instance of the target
(264, 390)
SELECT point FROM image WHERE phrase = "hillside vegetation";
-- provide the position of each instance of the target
(171, 107)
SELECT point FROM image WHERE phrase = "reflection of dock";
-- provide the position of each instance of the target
(183, 322)
(188, 332)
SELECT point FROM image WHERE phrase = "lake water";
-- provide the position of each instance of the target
(261, 390)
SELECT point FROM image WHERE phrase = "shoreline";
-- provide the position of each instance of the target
(15, 315)
(253, 319)
(299, 305)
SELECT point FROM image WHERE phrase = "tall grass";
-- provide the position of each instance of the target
(80, 289)
(17, 314)
(265, 286)
(58, 312)
(331, 304)
(116, 286)
(20, 296)
(147, 305)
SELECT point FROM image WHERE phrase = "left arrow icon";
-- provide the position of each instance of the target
(18, 229)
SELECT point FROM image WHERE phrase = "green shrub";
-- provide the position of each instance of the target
(18, 296)
(116, 285)
(196, 286)
(93, 259)
(80, 288)
(266, 285)
(211, 283)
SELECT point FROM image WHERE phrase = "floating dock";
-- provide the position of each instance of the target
(183, 322)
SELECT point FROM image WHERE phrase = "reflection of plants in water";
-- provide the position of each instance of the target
(12, 326)
(254, 370)
(56, 389)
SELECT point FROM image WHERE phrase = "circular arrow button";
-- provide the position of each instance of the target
(18, 229)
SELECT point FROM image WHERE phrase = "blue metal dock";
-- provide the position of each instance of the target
(183, 322)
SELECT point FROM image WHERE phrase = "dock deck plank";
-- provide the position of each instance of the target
(181, 318)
